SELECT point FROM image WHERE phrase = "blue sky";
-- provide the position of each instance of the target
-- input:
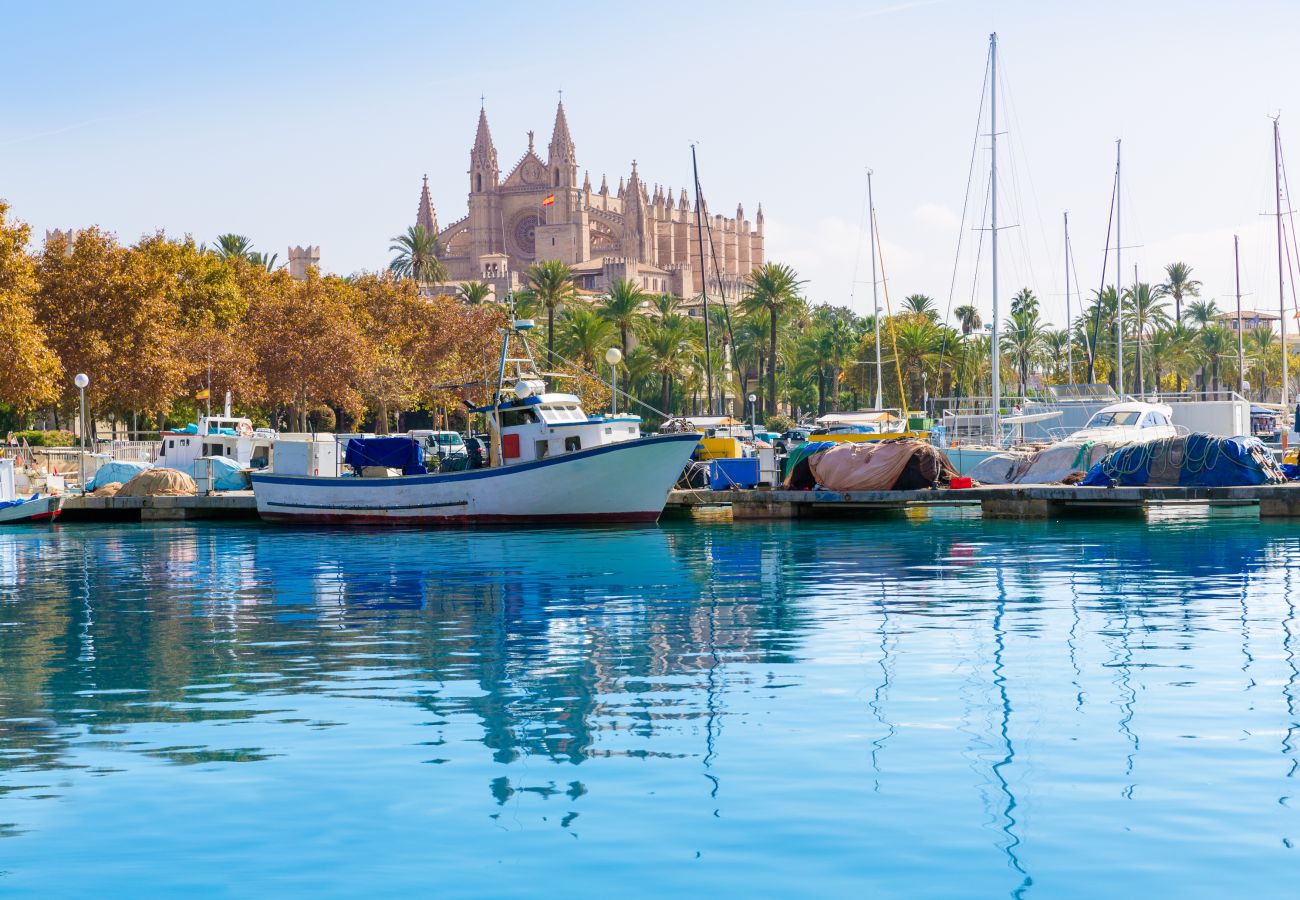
(313, 122)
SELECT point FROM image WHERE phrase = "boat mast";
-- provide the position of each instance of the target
(1069, 343)
(704, 285)
(1241, 355)
(993, 194)
(1119, 294)
(1281, 296)
(875, 290)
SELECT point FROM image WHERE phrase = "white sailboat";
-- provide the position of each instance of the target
(552, 464)
(15, 510)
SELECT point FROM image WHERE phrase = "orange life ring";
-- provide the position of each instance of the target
(245, 429)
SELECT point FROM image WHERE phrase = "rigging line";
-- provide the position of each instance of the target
(965, 203)
(889, 313)
(704, 275)
(1105, 261)
(857, 259)
(583, 373)
(1018, 146)
(1290, 215)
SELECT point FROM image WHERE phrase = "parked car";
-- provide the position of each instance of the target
(791, 439)
(440, 444)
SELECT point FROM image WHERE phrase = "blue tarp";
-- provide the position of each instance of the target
(392, 453)
(6, 504)
(1197, 460)
(114, 470)
(226, 473)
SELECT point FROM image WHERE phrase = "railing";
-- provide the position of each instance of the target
(131, 451)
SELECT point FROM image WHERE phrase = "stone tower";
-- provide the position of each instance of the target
(563, 230)
(301, 259)
(484, 203)
(425, 216)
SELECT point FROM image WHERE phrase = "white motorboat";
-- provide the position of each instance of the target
(551, 464)
(1128, 422)
(16, 510)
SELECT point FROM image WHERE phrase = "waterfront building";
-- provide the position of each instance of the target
(541, 210)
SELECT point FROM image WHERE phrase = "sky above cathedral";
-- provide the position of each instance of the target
(302, 123)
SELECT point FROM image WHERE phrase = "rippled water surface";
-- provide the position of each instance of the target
(907, 708)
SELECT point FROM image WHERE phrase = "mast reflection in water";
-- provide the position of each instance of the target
(913, 708)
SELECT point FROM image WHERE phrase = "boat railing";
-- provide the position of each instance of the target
(131, 451)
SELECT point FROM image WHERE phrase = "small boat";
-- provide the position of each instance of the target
(551, 464)
(17, 510)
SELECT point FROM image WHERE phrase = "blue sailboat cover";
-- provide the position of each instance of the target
(391, 452)
(1197, 460)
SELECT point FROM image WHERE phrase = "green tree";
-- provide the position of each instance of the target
(473, 292)
(585, 336)
(1179, 284)
(772, 289)
(1216, 343)
(31, 372)
(968, 318)
(1144, 311)
(621, 307)
(920, 303)
(1024, 300)
(551, 282)
(669, 342)
(417, 256)
(1025, 338)
(234, 246)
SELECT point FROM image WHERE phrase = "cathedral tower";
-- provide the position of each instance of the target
(484, 201)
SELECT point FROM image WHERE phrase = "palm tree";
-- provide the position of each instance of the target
(773, 288)
(473, 292)
(1216, 342)
(1056, 347)
(233, 246)
(621, 307)
(262, 261)
(1023, 300)
(920, 303)
(1144, 311)
(417, 256)
(1201, 313)
(669, 341)
(968, 317)
(1260, 345)
(1097, 328)
(552, 283)
(1025, 338)
(1179, 284)
(585, 336)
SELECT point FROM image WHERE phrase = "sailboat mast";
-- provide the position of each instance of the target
(1069, 343)
(1119, 294)
(704, 286)
(875, 290)
(993, 201)
(1281, 295)
(1241, 348)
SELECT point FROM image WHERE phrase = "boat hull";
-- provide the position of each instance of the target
(623, 482)
(39, 509)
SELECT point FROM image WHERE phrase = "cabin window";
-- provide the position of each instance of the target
(171, 445)
(542, 449)
(512, 417)
(572, 443)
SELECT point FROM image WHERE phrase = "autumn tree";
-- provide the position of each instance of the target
(308, 346)
(106, 312)
(31, 371)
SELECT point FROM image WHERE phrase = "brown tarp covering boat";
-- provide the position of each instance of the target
(899, 465)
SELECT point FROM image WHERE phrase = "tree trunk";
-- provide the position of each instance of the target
(550, 333)
(771, 369)
(663, 395)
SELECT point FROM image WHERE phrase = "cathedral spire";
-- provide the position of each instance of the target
(561, 149)
(483, 157)
(424, 215)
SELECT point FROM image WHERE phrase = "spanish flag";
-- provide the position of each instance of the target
(549, 201)
(202, 395)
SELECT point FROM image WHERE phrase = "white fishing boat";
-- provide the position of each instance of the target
(551, 464)
(16, 510)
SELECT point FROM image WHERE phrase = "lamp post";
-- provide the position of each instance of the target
(82, 381)
(753, 413)
(613, 356)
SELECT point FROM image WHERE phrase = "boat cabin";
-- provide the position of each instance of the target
(1132, 421)
(537, 425)
(226, 436)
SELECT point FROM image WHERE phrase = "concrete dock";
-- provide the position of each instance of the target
(993, 501)
(228, 505)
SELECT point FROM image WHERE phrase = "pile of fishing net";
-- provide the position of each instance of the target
(904, 464)
(107, 490)
(1061, 463)
(159, 483)
(1196, 460)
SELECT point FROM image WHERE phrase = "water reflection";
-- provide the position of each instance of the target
(868, 664)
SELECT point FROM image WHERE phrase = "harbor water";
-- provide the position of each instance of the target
(915, 707)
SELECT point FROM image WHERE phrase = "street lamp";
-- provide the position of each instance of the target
(613, 356)
(753, 413)
(82, 381)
